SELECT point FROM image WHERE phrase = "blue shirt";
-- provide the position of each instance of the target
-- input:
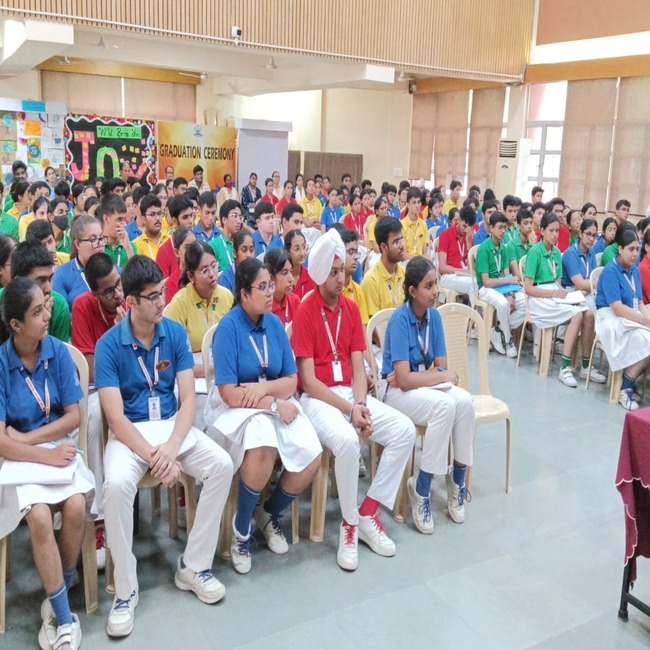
(201, 236)
(116, 366)
(329, 216)
(617, 285)
(480, 236)
(393, 211)
(233, 354)
(442, 221)
(261, 247)
(69, 280)
(402, 342)
(132, 230)
(575, 262)
(227, 278)
(18, 406)
(599, 246)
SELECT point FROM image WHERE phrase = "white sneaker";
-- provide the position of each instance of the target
(626, 400)
(47, 633)
(420, 508)
(372, 533)
(63, 637)
(567, 378)
(270, 526)
(496, 338)
(594, 375)
(240, 551)
(456, 498)
(511, 349)
(348, 553)
(204, 585)
(122, 616)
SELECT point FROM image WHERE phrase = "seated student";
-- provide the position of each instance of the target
(243, 248)
(558, 206)
(296, 245)
(356, 219)
(181, 239)
(453, 246)
(7, 245)
(312, 208)
(611, 251)
(579, 261)
(37, 418)
(230, 219)
(644, 267)
(492, 273)
(205, 228)
(30, 259)
(21, 202)
(41, 231)
(383, 284)
(135, 227)
(112, 213)
(181, 215)
(150, 241)
(511, 206)
(623, 320)
(268, 196)
(521, 246)
(69, 279)
(264, 237)
(574, 219)
(415, 362)
(285, 303)
(381, 211)
(39, 211)
(607, 236)
(251, 404)
(286, 198)
(58, 216)
(291, 218)
(328, 341)
(332, 212)
(483, 233)
(137, 364)
(542, 273)
(416, 234)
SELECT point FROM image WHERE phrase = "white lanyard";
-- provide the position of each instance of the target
(286, 311)
(461, 250)
(264, 362)
(392, 294)
(225, 246)
(213, 317)
(631, 282)
(357, 224)
(145, 372)
(583, 260)
(151, 255)
(552, 266)
(81, 272)
(333, 342)
(497, 259)
(45, 406)
(424, 346)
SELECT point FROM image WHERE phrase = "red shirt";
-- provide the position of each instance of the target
(279, 206)
(90, 321)
(171, 285)
(310, 340)
(271, 199)
(563, 238)
(644, 272)
(166, 258)
(286, 310)
(355, 223)
(304, 285)
(455, 247)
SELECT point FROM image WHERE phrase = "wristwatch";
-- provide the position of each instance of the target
(274, 405)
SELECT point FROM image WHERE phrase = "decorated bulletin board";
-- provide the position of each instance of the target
(97, 146)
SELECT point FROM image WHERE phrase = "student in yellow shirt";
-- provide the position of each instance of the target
(455, 188)
(352, 290)
(152, 238)
(414, 228)
(39, 211)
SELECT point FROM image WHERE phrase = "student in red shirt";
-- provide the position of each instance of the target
(269, 196)
(286, 199)
(557, 206)
(453, 245)
(181, 239)
(296, 245)
(366, 204)
(285, 303)
(355, 220)
(181, 214)
(328, 341)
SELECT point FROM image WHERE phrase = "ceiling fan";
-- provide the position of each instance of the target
(202, 76)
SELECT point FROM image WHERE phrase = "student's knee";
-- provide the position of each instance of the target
(75, 507)
(347, 442)
(39, 520)
(118, 484)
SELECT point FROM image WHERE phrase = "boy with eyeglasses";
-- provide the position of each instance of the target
(153, 237)
(230, 217)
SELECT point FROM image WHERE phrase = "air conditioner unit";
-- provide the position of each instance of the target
(512, 167)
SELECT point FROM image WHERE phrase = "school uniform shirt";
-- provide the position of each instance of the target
(312, 209)
(407, 339)
(241, 363)
(599, 246)
(148, 247)
(416, 235)
(575, 262)
(442, 222)
(393, 211)
(480, 236)
(511, 234)
(310, 339)
(609, 254)
(18, 406)
(132, 230)
(543, 266)
(491, 260)
(563, 239)
(286, 310)
(352, 291)
(227, 279)
(449, 204)
(617, 284)
(329, 216)
(64, 245)
(166, 258)
(282, 203)
(455, 246)
(118, 253)
(167, 228)
(381, 290)
(261, 247)
(644, 272)
(23, 224)
(352, 222)
(171, 285)
(9, 225)
(197, 315)
(371, 224)
(70, 281)
(304, 285)
(90, 321)
(516, 250)
(270, 198)
(201, 235)
(224, 251)
(117, 366)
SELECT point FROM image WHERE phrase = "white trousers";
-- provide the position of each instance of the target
(394, 431)
(508, 320)
(123, 469)
(446, 414)
(464, 284)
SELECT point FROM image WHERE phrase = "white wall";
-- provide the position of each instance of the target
(25, 86)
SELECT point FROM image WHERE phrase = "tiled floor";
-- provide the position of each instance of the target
(540, 567)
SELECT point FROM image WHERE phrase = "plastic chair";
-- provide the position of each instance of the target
(486, 308)
(307, 295)
(88, 551)
(456, 319)
(599, 256)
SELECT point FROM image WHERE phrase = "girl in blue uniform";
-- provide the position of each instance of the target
(39, 409)
(243, 248)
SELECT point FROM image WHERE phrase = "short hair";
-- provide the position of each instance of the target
(179, 181)
(384, 227)
(196, 169)
(623, 202)
(467, 215)
(346, 175)
(149, 200)
(79, 225)
(18, 164)
(193, 193)
(18, 189)
(62, 189)
(536, 189)
(473, 201)
(177, 204)
(245, 275)
(38, 185)
(390, 188)
(366, 183)
(39, 229)
(553, 202)
(207, 199)
(333, 189)
(497, 217)
(110, 204)
(117, 182)
(226, 207)
(97, 267)
(413, 193)
(454, 184)
(510, 201)
(289, 210)
(138, 194)
(27, 256)
(489, 195)
(404, 185)
(179, 236)
(140, 271)
(263, 207)
(523, 214)
(347, 236)
(537, 206)
(474, 189)
(488, 205)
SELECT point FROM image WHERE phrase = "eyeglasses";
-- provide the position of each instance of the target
(153, 298)
(236, 215)
(353, 252)
(265, 287)
(154, 214)
(96, 242)
(110, 292)
(206, 270)
(591, 235)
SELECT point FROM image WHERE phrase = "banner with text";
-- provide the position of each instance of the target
(182, 146)
(97, 146)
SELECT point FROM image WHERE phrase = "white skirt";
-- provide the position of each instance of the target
(239, 429)
(625, 342)
(548, 313)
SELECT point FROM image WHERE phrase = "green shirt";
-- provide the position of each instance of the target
(516, 250)
(543, 266)
(491, 260)
(8, 225)
(64, 245)
(9, 202)
(222, 247)
(59, 325)
(512, 234)
(609, 254)
(118, 253)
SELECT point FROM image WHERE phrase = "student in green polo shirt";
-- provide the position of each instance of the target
(230, 216)
(511, 207)
(497, 286)
(521, 245)
(112, 212)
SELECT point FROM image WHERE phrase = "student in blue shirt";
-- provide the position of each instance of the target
(610, 226)
(264, 237)
(135, 227)
(252, 405)
(622, 320)
(436, 217)
(39, 410)
(483, 233)
(332, 212)
(414, 364)
(137, 364)
(88, 238)
(243, 248)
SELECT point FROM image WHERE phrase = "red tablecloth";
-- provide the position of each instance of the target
(633, 482)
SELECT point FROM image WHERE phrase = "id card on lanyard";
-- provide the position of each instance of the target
(44, 405)
(81, 273)
(424, 345)
(462, 250)
(553, 266)
(392, 293)
(264, 361)
(154, 400)
(337, 369)
(630, 280)
(213, 315)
